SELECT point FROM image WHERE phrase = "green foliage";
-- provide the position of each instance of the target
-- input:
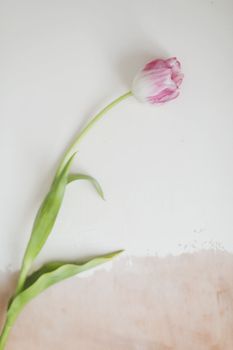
(49, 274)
(47, 215)
(44, 221)
(40, 280)
(94, 182)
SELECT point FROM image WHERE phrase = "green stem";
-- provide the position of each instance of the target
(88, 127)
(4, 335)
(71, 149)
(22, 277)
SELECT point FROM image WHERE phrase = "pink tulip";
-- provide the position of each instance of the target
(158, 81)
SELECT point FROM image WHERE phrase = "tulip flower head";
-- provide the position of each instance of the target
(158, 81)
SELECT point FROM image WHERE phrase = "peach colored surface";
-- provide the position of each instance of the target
(150, 303)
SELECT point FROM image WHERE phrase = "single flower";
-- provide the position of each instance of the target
(158, 81)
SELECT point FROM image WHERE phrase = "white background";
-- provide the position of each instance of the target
(166, 171)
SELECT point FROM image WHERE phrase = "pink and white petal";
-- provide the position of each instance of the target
(177, 77)
(158, 63)
(142, 87)
(163, 96)
(162, 78)
(173, 63)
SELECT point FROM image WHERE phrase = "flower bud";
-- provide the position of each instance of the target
(158, 81)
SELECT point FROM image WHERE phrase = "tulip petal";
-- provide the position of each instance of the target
(158, 81)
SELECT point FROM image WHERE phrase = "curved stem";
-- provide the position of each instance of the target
(93, 121)
(22, 276)
(4, 335)
(71, 149)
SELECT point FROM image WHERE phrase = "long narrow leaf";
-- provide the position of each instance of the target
(44, 222)
(47, 276)
(94, 182)
(54, 265)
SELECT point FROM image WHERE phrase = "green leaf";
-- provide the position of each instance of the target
(44, 221)
(47, 276)
(94, 182)
(49, 267)
(54, 265)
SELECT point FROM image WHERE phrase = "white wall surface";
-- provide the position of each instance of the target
(166, 171)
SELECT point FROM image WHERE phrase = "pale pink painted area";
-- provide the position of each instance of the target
(150, 303)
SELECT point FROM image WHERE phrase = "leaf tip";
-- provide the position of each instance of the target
(115, 254)
(102, 196)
